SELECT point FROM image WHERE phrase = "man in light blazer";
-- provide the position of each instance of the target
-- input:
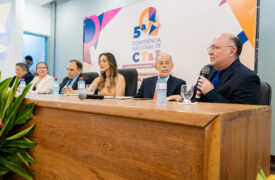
(163, 65)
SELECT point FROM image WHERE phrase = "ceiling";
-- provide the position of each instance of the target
(46, 3)
(40, 2)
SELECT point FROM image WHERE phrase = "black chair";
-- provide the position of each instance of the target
(265, 94)
(89, 77)
(131, 77)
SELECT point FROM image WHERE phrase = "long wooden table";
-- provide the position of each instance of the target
(132, 139)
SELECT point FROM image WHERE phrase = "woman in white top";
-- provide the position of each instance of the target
(42, 83)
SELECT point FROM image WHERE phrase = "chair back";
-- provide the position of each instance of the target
(131, 77)
(89, 77)
(265, 94)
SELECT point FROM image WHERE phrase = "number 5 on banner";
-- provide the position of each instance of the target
(137, 30)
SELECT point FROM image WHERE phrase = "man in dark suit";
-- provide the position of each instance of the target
(229, 81)
(69, 85)
(22, 72)
(163, 65)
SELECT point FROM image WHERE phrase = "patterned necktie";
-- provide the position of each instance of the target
(216, 79)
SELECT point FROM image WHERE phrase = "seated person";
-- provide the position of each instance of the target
(163, 65)
(22, 72)
(110, 82)
(228, 81)
(69, 85)
(42, 83)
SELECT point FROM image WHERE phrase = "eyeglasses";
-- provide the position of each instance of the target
(214, 48)
(161, 63)
(42, 68)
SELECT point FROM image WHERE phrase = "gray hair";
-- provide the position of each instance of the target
(166, 54)
(23, 66)
(238, 43)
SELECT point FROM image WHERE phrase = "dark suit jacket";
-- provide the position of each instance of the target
(237, 84)
(74, 86)
(148, 86)
(28, 78)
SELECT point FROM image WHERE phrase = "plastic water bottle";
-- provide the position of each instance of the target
(22, 85)
(55, 89)
(81, 86)
(161, 89)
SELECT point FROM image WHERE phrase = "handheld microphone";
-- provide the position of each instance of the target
(83, 96)
(204, 72)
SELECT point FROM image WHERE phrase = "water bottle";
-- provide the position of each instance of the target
(55, 89)
(22, 85)
(161, 89)
(81, 86)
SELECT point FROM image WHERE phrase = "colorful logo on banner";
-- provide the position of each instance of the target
(148, 23)
(146, 44)
(93, 25)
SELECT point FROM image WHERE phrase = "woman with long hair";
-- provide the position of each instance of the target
(42, 83)
(110, 82)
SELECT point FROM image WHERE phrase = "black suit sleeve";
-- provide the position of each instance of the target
(215, 96)
(28, 79)
(140, 93)
(62, 84)
(244, 93)
(248, 92)
(12, 81)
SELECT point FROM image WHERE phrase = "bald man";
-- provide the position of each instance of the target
(229, 81)
(163, 65)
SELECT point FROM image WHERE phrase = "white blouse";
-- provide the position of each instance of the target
(44, 86)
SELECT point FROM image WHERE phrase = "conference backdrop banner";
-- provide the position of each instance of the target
(182, 28)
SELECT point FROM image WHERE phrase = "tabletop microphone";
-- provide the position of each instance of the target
(204, 72)
(83, 96)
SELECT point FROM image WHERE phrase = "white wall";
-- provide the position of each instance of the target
(25, 17)
(69, 27)
(17, 19)
(37, 19)
(266, 61)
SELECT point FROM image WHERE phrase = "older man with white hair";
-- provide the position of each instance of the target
(163, 65)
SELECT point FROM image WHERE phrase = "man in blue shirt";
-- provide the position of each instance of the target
(228, 81)
(69, 85)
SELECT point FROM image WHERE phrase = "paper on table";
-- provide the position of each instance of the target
(70, 94)
(118, 97)
(123, 97)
